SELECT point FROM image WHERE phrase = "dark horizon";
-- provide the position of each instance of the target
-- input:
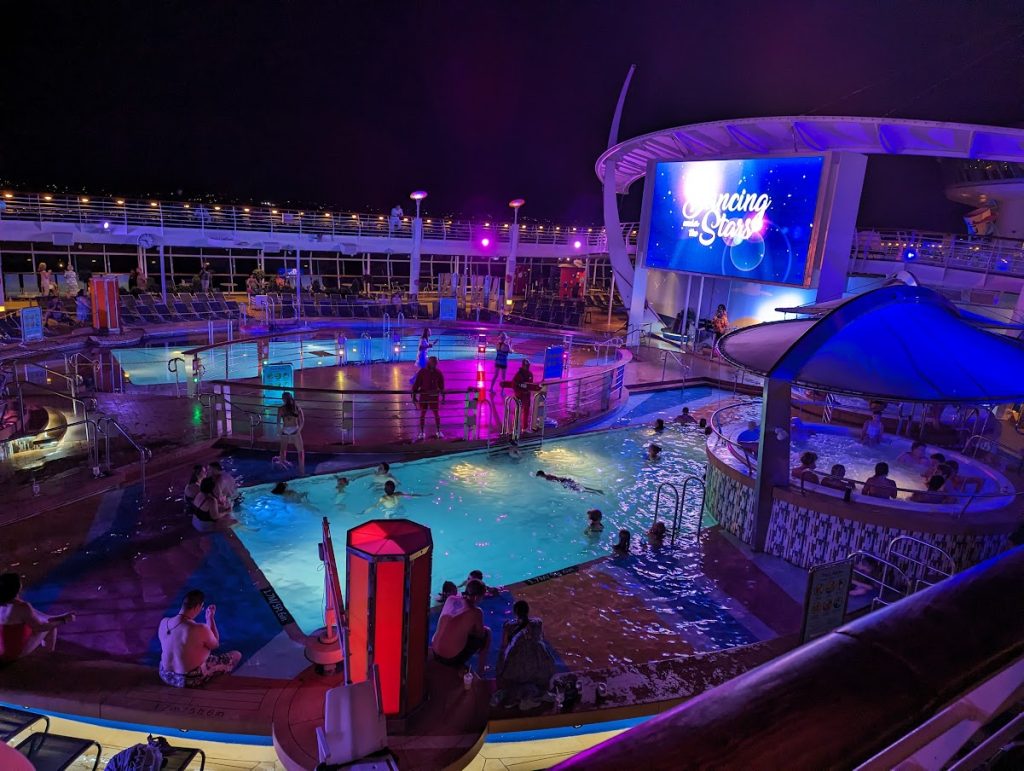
(357, 105)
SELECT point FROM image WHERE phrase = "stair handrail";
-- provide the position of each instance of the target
(948, 563)
(103, 424)
(881, 582)
(513, 428)
(174, 369)
(675, 508)
(692, 478)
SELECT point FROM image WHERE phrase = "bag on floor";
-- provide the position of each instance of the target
(140, 757)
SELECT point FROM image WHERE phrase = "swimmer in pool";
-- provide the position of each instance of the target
(282, 489)
(871, 432)
(659, 426)
(392, 497)
(684, 417)
(339, 491)
(805, 471)
(478, 575)
(653, 451)
(915, 457)
(569, 484)
(594, 524)
(380, 475)
(621, 547)
(513, 450)
(656, 535)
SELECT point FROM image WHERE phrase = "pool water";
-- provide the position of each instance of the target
(485, 512)
(149, 366)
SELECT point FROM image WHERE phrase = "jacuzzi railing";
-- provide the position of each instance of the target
(378, 417)
(959, 503)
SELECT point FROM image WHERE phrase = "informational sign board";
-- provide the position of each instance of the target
(449, 308)
(31, 324)
(749, 218)
(828, 587)
(279, 375)
(554, 362)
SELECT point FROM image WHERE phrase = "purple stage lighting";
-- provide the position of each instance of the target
(485, 242)
(577, 244)
(106, 226)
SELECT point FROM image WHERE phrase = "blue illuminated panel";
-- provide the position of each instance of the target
(749, 219)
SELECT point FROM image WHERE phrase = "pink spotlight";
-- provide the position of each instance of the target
(485, 242)
(577, 244)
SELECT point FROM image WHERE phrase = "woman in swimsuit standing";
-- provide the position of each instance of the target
(425, 345)
(501, 352)
(291, 421)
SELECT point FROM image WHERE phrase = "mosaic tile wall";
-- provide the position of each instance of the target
(731, 503)
(806, 537)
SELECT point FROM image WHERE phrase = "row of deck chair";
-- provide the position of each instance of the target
(149, 309)
(10, 327)
(48, 751)
(334, 307)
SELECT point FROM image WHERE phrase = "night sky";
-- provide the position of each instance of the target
(353, 105)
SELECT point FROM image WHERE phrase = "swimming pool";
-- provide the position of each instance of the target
(485, 512)
(148, 365)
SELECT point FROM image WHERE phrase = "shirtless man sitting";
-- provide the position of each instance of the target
(880, 486)
(187, 658)
(460, 630)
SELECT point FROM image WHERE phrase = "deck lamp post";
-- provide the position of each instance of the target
(417, 246)
(513, 245)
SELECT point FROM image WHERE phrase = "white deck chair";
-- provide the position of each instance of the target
(354, 724)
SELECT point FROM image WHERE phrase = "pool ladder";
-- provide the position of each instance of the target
(511, 421)
(679, 501)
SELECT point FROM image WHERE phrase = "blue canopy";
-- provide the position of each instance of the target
(899, 343)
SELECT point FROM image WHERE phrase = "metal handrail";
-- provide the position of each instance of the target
(122, 213)
(675, 508)
(700, 509)
(741, 453)
(103, 425)
(948, 563)
(88, 405)
(687, 368)
(72, 382)
(174, 360)
(515, 427)
(986, 254)
(881, 582)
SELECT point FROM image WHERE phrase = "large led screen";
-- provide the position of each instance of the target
(749, 219)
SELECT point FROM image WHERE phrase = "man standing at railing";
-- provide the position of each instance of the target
(427, 393)
(522, 387)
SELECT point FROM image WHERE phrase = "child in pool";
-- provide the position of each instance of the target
(621, 547)
(594, 524)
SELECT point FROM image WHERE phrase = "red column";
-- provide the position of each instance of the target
(388, 587)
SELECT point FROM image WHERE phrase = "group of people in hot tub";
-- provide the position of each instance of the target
(943, 481)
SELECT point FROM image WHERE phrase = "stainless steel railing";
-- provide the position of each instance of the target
(956, 504)
(982, 254)
(104, 214)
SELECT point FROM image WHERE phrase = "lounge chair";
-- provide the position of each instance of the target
(14, 721)
(53, 752)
